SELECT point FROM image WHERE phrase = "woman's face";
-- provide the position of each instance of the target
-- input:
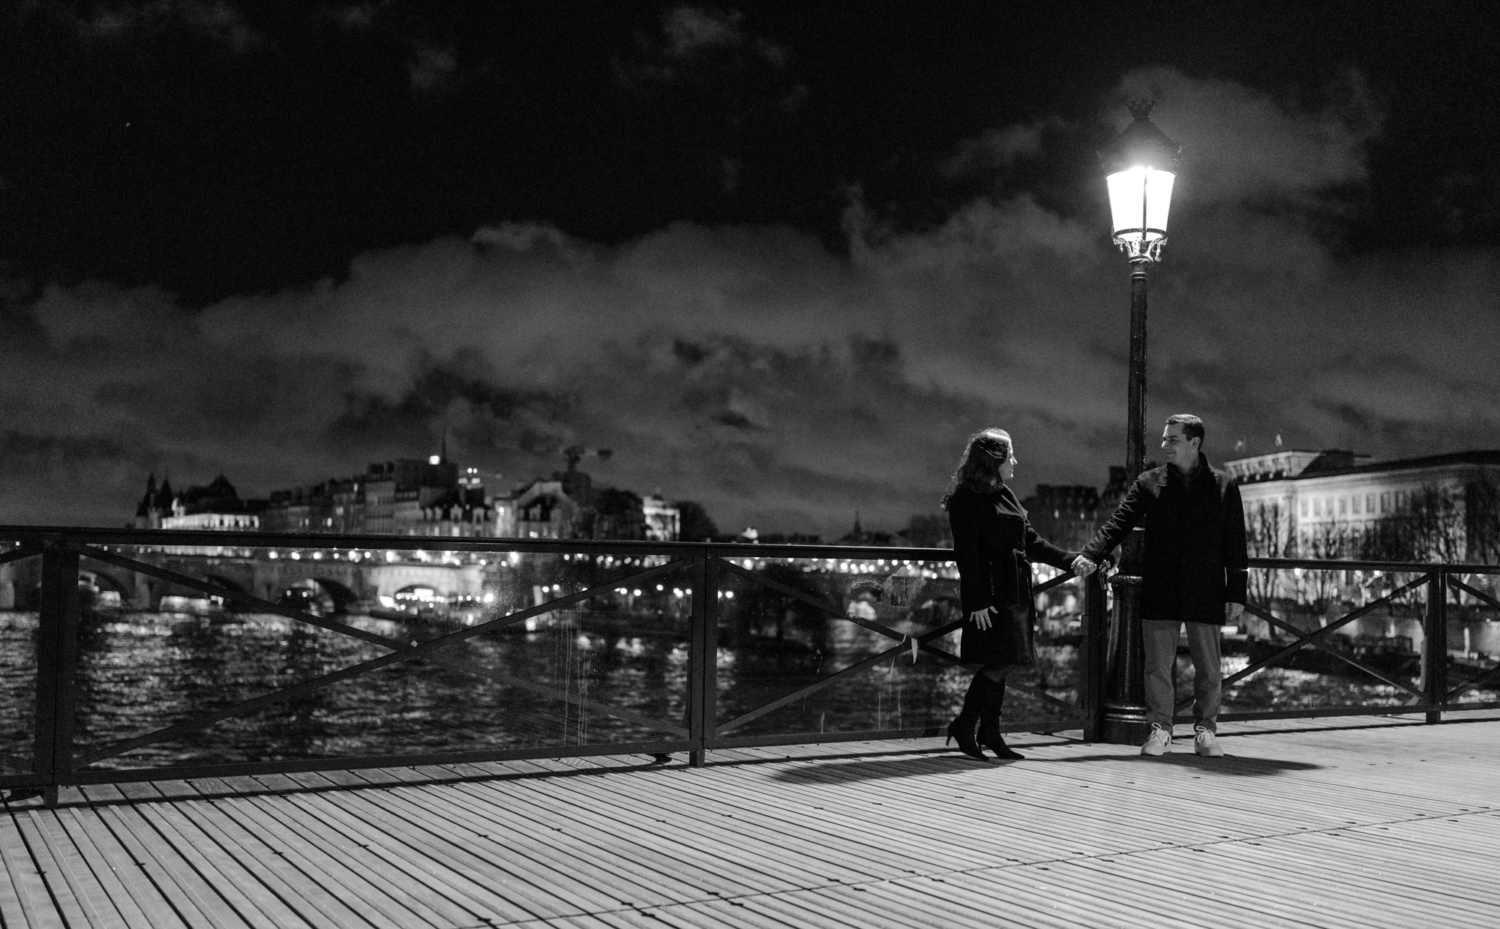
(1008, 468)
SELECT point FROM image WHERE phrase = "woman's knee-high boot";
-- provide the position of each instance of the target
(990, 706)
(965, 724)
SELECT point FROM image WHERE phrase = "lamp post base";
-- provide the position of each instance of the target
(1124, 726)
(1124, 716)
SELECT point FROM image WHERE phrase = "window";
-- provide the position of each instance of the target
(1369, 503)
(1304, 509)
(1385, 502)
(1343, 505)
(1354, 504)
(1318, 507)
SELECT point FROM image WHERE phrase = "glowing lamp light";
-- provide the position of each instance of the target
(1140, 167)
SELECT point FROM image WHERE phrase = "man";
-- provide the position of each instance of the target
(1194, 575)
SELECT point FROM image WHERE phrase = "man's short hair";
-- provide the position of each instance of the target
(1192, 426)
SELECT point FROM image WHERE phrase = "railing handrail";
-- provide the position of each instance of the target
(1396, 567)
(232, 537)
(391, 542)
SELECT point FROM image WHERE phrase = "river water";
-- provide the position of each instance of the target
(140, 672)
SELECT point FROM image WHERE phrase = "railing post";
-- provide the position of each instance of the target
(1435, 645)
(56, 666)
(703, 669)
(1093, 652)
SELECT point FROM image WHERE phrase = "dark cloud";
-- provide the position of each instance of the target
(786, 382)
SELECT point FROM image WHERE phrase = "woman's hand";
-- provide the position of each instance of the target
(981, 619)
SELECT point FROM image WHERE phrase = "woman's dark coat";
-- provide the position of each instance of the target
(993, 543)
(1195, 558)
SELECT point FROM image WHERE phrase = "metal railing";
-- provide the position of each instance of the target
(711, 571)
(708, 574)
(1428, 594)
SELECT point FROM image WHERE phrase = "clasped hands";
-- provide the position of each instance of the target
(1083, 567)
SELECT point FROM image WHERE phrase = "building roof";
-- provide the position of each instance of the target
(1472, 457)
(1478, 457)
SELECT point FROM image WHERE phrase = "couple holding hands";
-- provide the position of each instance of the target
(1194, 575)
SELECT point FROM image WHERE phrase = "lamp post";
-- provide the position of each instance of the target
(1140, 166)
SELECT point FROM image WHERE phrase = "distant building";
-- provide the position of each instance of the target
(408, 496)
(214, 506)
(1067, 515)
(417, 497)
(1329, 505)
(663, 520)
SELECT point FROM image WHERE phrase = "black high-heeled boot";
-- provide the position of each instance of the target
(962, 729)
(992, 701)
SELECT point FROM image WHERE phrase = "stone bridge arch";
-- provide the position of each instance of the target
(345, 599)
(446, 580)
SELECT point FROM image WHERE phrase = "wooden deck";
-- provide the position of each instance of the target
(1372, 825)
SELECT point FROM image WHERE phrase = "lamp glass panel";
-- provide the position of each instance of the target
(1139, 199)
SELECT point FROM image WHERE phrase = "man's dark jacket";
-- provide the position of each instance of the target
(1195, 542)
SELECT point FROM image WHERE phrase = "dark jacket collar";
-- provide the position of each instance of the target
(1003, 499)
(1204, 472)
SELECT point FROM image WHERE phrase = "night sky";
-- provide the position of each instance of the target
(781, 258)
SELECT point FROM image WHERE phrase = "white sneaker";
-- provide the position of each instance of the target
(1206, 743)
(1159, 742)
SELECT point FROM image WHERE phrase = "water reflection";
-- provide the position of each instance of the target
(139, 672)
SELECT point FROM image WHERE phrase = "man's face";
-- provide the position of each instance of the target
(1178, 449)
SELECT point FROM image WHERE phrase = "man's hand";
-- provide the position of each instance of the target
(1232, 612)
(981, 618)
(1083, 567)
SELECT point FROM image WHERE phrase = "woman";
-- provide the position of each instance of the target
(993, 542)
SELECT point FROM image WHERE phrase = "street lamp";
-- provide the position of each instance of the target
(1140, 167)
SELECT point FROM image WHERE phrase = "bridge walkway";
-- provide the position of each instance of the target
(1381, 823)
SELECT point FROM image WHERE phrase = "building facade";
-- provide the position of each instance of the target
(417, 497)
(1330, 505)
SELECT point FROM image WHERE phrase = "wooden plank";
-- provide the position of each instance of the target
(118, 876)
(335, 811)
(425, 904)
(634, 876)
(314, 863)
(72, 899)
(81, 885)
(441, 829)
(302, 889)
(967, 807)
(664, 840)
(707, 841)
(236, 880)
(188, 896)
(32, 903)
(592, 888)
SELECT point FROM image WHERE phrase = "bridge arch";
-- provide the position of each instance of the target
(321, 591)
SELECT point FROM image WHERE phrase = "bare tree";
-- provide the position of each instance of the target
(1268, 535)
(1430, 526)
(1482, 515)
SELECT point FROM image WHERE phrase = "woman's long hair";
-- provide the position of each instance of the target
(979, 469)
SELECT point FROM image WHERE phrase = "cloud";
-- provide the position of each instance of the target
(691, 37)
(691, 30)
(1243, 146)
(999, 148)
(214, 20)
(783, 383)
(432, 67)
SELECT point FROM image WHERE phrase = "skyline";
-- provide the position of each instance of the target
(782, 264)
